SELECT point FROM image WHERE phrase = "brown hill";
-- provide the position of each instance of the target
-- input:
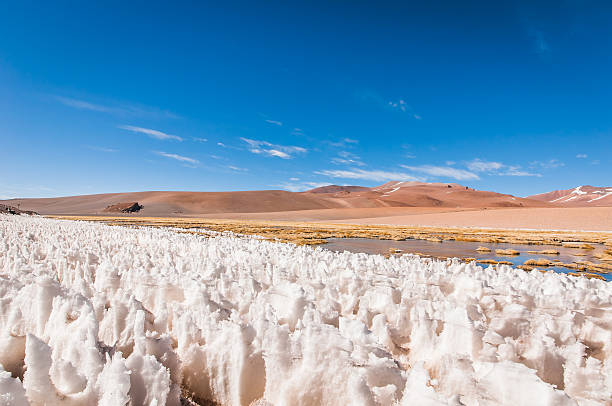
(392, 194)
(581, 196)
(338, 189)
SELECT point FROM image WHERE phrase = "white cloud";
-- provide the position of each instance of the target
(118, 109)
(443, 171)
(347, 158)
(343, 143)
(151, 133)
(300, 187)
(237, 169)
(102, 149)
(517, 171)
(197, 139)
(498, 168)
(83, 105)
(478, 165)
(274, 122)
(177, 157)
(550, 164)
(401, 105)
(374, 175)
(273, 150)
(343, 161)
(582, 156)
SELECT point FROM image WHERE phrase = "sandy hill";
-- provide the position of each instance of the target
(391, 194)
(338, 189)
(581, 196)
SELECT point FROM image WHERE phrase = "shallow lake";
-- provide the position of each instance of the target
(466, 249)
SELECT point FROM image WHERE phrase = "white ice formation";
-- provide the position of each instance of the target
(95, 314)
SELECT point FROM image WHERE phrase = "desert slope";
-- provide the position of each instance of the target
(392, 194)
(581, 196)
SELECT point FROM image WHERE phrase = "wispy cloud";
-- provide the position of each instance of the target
(443, 172)
(549, 164)
(122, 109)
(478, 165)
(374, 98)
(498, 168)
(198, 139)
(237, 168)
(343, 143)
(347, 158)
(101, 149)
(300, 186)
(84, 105)
(399, 105)
(178, 157)
(274, 122)
(374, 175)
(517, 171)
(151, 133)
(273, 150)
(402, 106)
(540, 45)
(582, 156)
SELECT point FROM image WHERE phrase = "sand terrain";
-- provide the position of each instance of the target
(394, 203)
(578, 218)
(558, 218)
(392, 194)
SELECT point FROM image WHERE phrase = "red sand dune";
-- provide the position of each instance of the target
(581, 196)
(534, 218)
(391, 194)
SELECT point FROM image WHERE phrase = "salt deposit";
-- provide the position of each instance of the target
(115, 316)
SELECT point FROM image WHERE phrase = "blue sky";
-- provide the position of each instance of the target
(128, 96)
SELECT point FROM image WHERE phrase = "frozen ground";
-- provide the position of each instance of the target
(92, 313)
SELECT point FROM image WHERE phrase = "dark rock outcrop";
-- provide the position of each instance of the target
(130, 207)
(14, 210)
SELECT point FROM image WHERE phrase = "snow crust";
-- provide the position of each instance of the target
(94, 314)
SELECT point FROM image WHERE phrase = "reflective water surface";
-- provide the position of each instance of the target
(467, 249)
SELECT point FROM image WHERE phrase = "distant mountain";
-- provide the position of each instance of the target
(391, 194)
(581, 196)
(338, 189)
